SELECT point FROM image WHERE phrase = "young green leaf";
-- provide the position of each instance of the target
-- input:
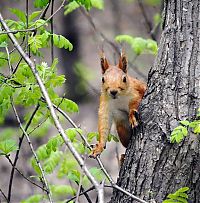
(71, 7)
(99, 4)
(20, 14)
(62, 42)
(178, 134)
(35, 43)
(40, 3)
(34, 15)
(7, 146)
(62, 190)
(179, 196)
(185, 122)
(33, 199)
(74, 175)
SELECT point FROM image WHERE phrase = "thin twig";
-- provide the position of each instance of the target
(34, 153)
(17, 153)
(43, 14)
(81, 193)
(10, 161)
(148, 23)
(3, 195)
(61, 131)
(34, 29)
(52, 30)
(90, 20)
(9, 64)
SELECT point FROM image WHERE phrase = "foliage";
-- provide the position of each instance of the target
(88, 4)
(179, 196)
(139, 45)
(18, 84)
(181, 131)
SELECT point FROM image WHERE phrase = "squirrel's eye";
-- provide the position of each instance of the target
(103, 80)
(124, 79)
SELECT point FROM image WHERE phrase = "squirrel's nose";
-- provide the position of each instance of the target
(113, 92)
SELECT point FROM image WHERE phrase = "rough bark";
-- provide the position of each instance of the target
(154, 167)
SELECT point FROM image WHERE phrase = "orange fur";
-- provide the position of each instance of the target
(120, 97)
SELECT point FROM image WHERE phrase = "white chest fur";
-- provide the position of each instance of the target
(119, 108)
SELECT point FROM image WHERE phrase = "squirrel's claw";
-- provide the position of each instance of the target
(132, 119)
(96, 151)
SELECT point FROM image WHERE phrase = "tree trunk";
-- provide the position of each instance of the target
(154, 167)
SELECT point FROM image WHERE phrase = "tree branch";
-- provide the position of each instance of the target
(34, 29)
(10, 161)
(17, 153)
(3, 195)
(148, 23)
(79, 159)
(34, 153)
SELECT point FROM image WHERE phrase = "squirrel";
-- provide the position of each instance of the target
(120, 97)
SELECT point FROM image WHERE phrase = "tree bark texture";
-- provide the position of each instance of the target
(154, 167)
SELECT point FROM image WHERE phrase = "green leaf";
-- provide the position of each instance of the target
(71, 7)
(91, 135)
(99, 4)
(178, 134)
(68, 163)
(53, 144)
(74, 175)
(97, 173)
(20, 14)
(185, 122)
(67, 105)
(152, 2)
(52, 162)
(138, 44)
(7, 146)
(40, 3)
(179, 196)
(34, 15)
(72, 133)
(157, 19)
(152, 46)
(3, 44)
(62, 190)
(198, 112)
(40, 23)
(33, 199)
(35, 43)
(197, 129)
(62, 42)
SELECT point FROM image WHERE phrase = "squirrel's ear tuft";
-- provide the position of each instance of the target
(123, 62)
(104, 62)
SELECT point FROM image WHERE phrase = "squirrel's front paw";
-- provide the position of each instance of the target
(132, 119)
(96, 151)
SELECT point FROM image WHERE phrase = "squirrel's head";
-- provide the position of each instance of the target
(114, 77)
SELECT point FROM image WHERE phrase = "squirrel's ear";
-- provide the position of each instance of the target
(104, 63)
(123, 62)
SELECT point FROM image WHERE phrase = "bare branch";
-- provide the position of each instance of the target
(148, 23)
(53, 114)
(3, 195)
(34, 153)
(52, 30)
(10, 161)
(17, 153)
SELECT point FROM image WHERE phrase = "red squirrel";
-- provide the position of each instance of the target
(120, 97)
